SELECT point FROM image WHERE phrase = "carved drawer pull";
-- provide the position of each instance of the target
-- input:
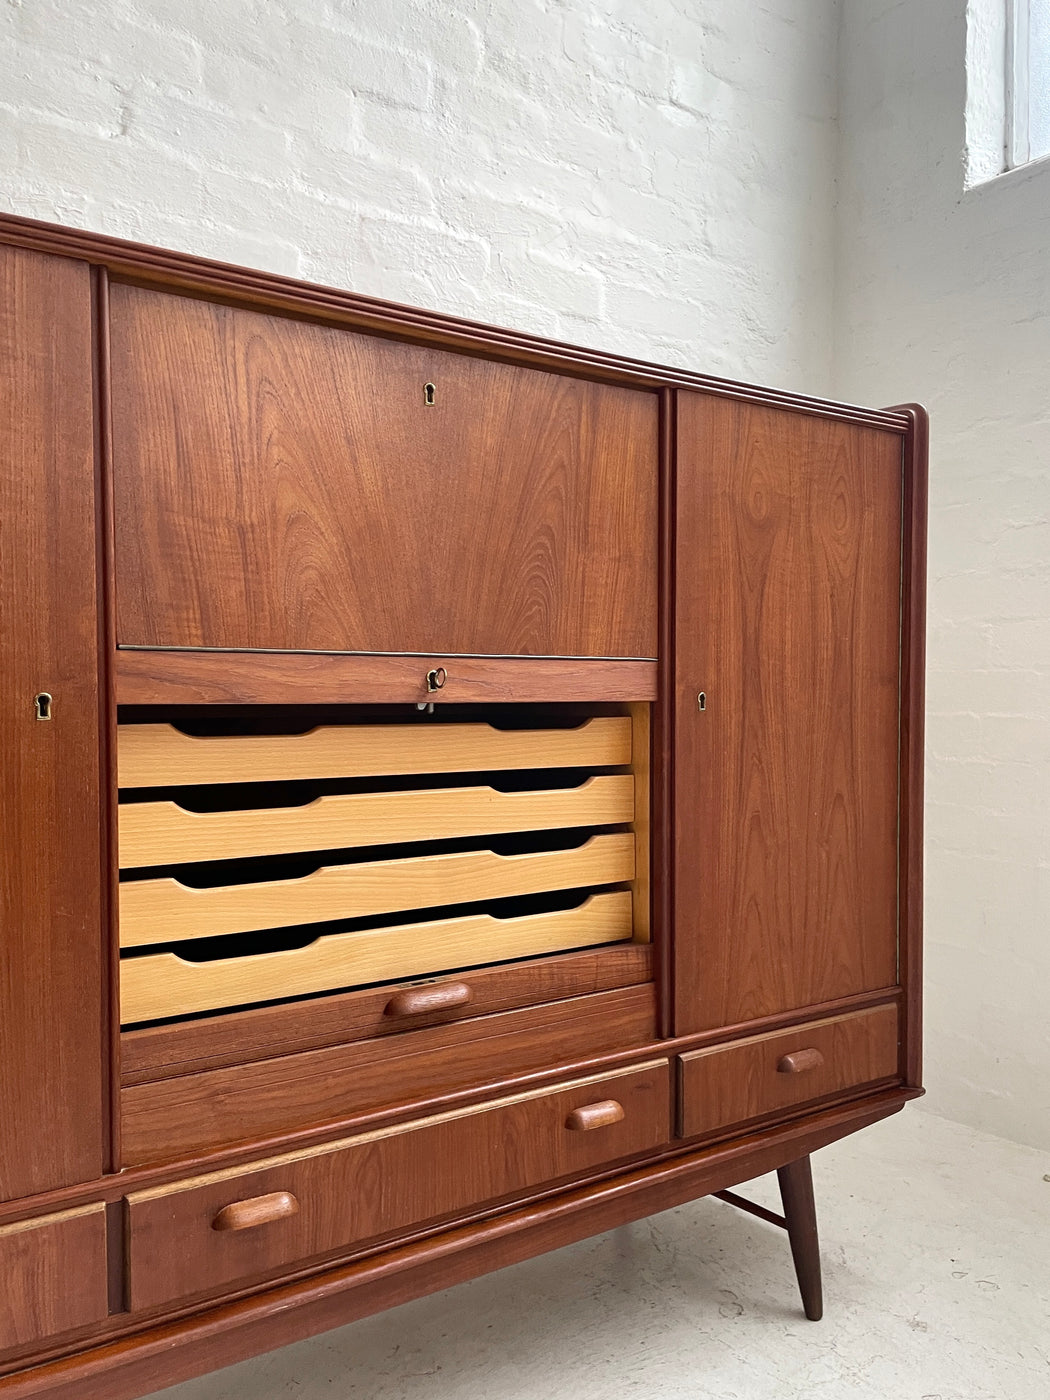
(594, 1115)
(418, 1001)
(260, 1210)
(799, 1061)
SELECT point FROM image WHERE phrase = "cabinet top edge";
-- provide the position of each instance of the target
(167, 269)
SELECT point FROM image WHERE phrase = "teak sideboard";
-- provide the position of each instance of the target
(461, 792)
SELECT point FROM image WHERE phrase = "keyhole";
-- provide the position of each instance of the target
(701, 701)
(42, 703)
(429, 394)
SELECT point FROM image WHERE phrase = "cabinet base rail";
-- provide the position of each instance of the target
(165, 1353)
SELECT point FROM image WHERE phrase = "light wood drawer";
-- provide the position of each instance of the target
(384, 1013)
(159, 985)
(730, 1084)
(231, 1226)
(166, 911)
(53, 1272)
(156, 755)
(160, 833)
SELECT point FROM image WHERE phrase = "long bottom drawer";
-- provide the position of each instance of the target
(234, 1226)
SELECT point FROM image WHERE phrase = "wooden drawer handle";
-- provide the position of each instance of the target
(799, 1061)
(260, 1210)
(417, 1001)
(594, 1115)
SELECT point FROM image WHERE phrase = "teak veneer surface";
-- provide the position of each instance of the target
(788, 619)
(51, 1089)
(176, 1118)
(152, 677)
(723, 1086)
(240, 1037)
(279, 483)
(155, 755)
(386, 1180)
(163, 833)
(53, 1273)
(913, 714)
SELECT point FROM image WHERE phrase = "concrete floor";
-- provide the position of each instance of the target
(936, 1283)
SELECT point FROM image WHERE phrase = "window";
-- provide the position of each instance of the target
(1028, 81)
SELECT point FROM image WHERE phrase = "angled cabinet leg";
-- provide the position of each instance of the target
(796, 1191)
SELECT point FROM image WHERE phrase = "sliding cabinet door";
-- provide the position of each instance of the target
(787, 601)
(50, 927)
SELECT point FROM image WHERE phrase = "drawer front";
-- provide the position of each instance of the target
(163, 985)
(54, 1275)
(159, 755)
(233, 1226)
(163, 833)
(748, 1079)
(191, 1113)
(246, 1037)
(152, 677)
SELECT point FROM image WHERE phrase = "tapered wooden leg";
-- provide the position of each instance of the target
(796, 1191)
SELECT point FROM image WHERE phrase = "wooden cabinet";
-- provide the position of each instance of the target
(462, 793)
(282, 484)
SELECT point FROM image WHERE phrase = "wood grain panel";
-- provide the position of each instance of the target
(51, 984)
(283, 484)
(162, 833)
(788, 619)
(725, 1085)
(156, 1051)
(160, 985)
(913, 714)
(54, 1275)
(306, 678)
(165, 911)
(158, 755)
(385, 1180)
(663, 755)
(174, 1119)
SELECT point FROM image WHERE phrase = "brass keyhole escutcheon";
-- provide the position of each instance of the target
(436, 678)
(42, 705)
(429, 394)
(701, 701)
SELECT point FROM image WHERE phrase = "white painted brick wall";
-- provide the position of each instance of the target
(654, 179)
(944, 295)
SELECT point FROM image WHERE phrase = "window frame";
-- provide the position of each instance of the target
(1018, 145)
